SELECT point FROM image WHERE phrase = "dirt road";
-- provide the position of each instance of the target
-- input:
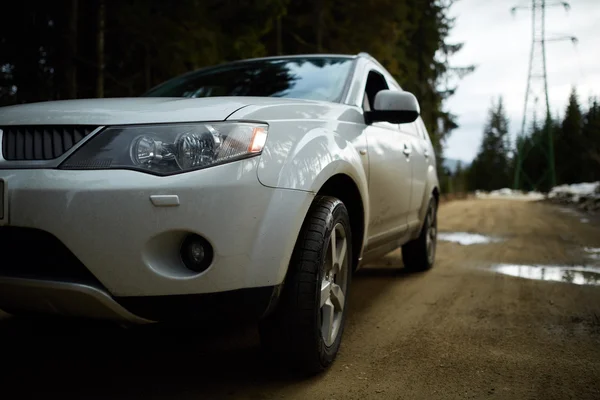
(458, 331)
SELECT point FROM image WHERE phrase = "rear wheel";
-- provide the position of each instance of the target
(419, 254)
(306, 328)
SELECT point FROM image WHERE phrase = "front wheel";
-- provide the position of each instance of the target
(306, 328)
(419, 254)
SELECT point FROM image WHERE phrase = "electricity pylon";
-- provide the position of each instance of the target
(537, 87)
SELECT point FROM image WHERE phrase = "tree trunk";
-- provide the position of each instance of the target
(71, 78)
(279, 41)
(100, 48)
(319, 13)
(147, 68)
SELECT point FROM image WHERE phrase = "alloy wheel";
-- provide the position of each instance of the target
(431, 233)
(334, 285)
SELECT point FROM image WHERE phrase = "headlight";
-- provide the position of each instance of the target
(169, 149)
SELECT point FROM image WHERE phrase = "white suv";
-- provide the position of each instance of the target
(253, 189)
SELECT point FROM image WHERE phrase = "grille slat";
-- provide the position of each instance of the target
(57, 143)
(38, 151)
(67, 140)
(9, 143)
(28, 144)
(21, 143)
(20, 146)
(47, 137)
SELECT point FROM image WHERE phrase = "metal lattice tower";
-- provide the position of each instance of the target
(536, 108)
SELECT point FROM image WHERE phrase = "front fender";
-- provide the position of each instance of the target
(431, 185)
(308, 144)
(307, 162)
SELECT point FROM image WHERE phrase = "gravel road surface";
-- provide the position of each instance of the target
(458, 331)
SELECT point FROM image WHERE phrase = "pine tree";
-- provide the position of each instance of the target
(534, 153)
(491, 167)
(569, 143)
(591, 138)
(460, 184)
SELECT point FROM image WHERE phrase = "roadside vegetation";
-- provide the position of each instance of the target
(576, 142)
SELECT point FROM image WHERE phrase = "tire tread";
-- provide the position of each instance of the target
(289, 331)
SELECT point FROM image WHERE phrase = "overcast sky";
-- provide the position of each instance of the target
(498, 43)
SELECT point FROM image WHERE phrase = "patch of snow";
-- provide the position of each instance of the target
(466, 239)
(504, 192)
(593, 253)
(575, 190)
(511, 194)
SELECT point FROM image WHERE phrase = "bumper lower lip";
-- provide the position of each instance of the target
(62, 298)
(68, 299)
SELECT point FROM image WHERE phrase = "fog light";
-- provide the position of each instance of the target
(196, 253)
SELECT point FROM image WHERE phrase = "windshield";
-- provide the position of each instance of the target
(317, 78)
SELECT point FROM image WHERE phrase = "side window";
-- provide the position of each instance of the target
(375, 83)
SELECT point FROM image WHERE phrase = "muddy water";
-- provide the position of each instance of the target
(578, 275)
(466, 238)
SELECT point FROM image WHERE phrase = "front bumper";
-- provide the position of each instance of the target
(131, 246)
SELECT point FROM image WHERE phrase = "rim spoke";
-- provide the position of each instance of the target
(325, 292)
(337, 297)
(327, 313)
(337, 266)
(332, 301)
(333, 245)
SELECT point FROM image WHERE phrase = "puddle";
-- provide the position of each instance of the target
(568, 211)
(593, 253)
(575, 213)
(578, 275)
(466, 238)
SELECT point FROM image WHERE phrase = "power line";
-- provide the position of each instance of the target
(537, 86)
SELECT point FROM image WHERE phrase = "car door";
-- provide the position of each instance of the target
(419, 159)
(389, 172)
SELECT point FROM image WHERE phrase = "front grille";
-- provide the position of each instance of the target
(36, 254)
(21, 143)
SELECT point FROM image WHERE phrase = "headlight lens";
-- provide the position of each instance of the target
(169, 149)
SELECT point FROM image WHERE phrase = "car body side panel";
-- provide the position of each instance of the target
(310, 143)
(419, 177)
(389, 182)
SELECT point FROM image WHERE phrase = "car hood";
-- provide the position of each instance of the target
(141, 110)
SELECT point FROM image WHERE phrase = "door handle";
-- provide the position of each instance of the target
(426, 153)
(406, 150)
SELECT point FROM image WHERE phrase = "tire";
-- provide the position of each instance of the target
(419, 254)
(305, 329)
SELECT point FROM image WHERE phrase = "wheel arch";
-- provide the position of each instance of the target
(343, 187)
(436, 195)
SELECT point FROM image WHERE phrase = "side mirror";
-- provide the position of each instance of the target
(394, 107)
